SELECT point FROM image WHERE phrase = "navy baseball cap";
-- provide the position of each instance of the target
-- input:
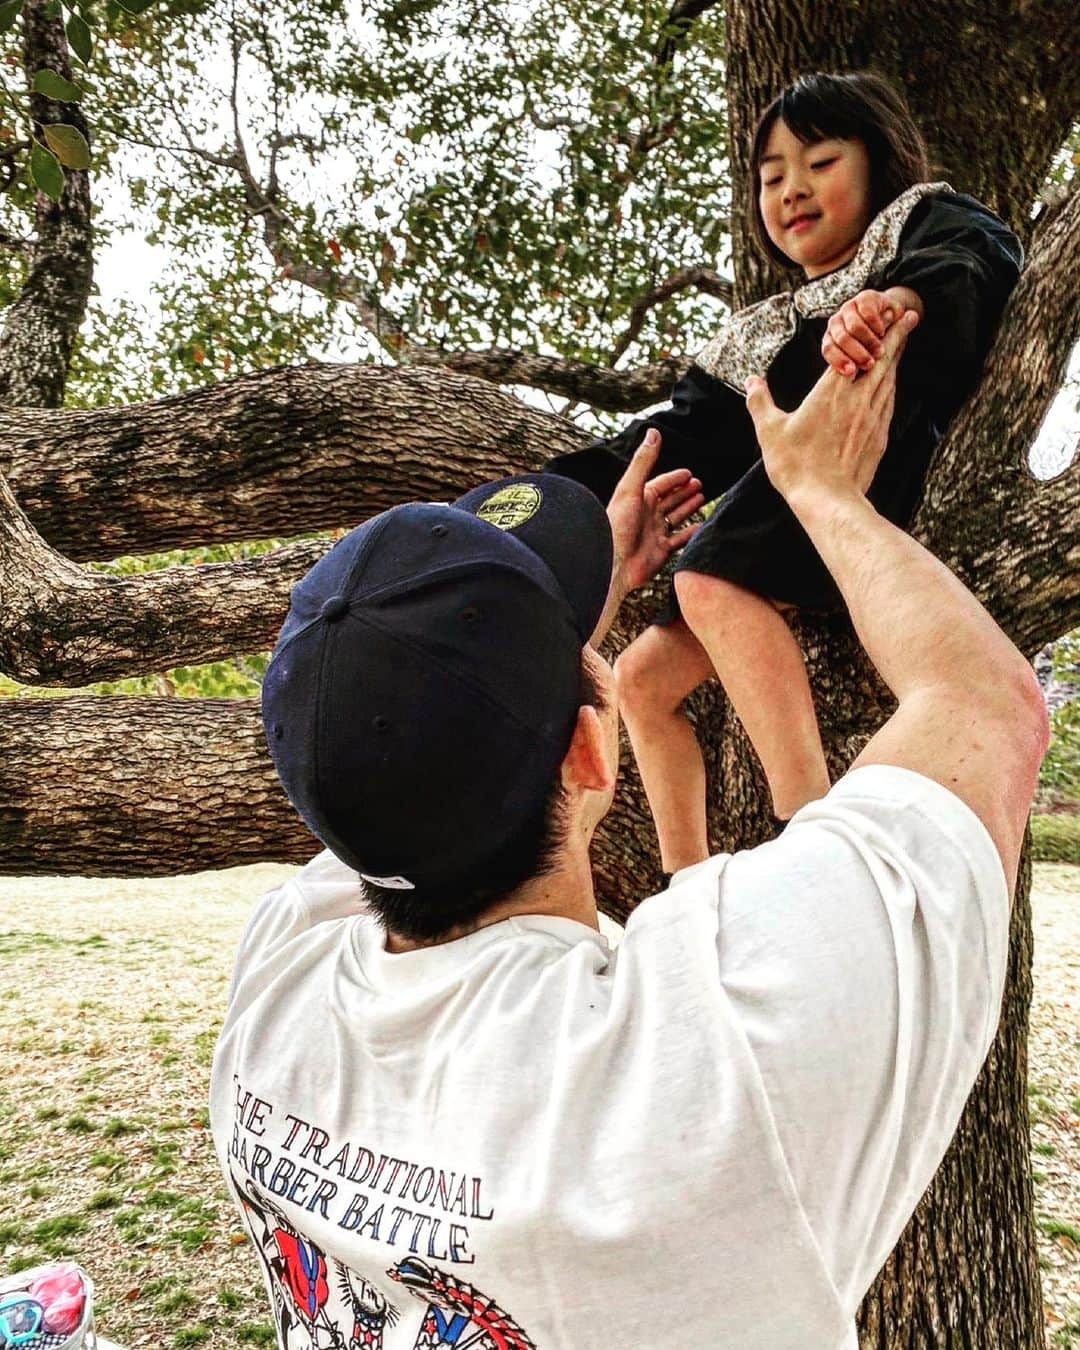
(425, 686)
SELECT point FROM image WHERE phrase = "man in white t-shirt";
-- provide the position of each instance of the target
(451, 1113)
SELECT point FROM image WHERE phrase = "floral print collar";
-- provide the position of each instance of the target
(751, 338)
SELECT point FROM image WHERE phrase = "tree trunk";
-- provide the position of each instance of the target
(41, 326)
(965, 1272)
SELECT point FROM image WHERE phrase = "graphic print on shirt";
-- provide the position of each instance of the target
(370, 1310)
(406, 1206)
(298, 1275)
(457, 1314)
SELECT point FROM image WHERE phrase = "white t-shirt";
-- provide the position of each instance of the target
(711, 1136)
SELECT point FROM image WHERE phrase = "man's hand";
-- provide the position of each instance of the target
(646, 514)
(647, 524)
(833, 442)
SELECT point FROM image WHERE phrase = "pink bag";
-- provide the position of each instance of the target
(61, 1292)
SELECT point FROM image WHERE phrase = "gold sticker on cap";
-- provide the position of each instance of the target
(512, 506)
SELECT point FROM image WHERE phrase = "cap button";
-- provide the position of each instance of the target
(334, 607)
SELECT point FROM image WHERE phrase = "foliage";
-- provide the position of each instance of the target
(1059, 779)
(486, 174)
(40, 134)
(1055, 839)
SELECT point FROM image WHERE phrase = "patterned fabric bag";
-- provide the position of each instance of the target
(49, 1307)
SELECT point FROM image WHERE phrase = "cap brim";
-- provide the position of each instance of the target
(564, 524)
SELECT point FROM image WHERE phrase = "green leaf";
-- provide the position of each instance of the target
(79, 38)
(46, 173)
(68, 145)
(54, 86)
(9, 12)
(135, 6)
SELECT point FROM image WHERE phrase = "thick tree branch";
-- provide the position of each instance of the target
(40, 327)
(64, 625)
(276, 453)
(411, 435)
(199, 791)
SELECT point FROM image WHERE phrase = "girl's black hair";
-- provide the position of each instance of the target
(858, 106)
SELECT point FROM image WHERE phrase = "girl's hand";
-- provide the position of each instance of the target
(853, 337)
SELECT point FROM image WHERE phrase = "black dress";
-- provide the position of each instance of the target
(963, 262)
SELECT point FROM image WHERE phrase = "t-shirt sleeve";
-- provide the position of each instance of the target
(864, 953)
(706, 429)
(323, 890)
(963, 262)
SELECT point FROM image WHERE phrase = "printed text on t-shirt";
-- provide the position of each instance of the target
(295, 1168)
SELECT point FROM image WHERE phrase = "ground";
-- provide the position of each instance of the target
(111, 994)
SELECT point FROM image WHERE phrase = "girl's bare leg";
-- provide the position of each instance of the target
(653, 676)
(759, 663)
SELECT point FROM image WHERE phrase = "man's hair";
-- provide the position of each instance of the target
(858, 106)
(426, 914)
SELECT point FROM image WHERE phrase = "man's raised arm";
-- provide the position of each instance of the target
(971, 715)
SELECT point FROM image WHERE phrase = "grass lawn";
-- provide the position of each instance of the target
(111, 994)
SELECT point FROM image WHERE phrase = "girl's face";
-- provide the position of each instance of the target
(815, 199)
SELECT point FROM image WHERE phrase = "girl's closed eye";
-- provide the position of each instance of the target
(824, 163)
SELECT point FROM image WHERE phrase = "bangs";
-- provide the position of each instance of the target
(815, 110)
(811, 117)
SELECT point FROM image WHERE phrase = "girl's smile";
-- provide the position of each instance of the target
(815, 198)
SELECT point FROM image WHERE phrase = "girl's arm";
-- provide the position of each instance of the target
(706, 430)
(961, 262)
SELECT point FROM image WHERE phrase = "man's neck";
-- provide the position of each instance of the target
(564, 893)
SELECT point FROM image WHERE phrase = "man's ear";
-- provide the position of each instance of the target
(585, 765)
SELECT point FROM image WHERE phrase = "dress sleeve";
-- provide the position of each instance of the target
(707, 430)
(962, 262)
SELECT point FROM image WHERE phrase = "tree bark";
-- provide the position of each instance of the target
(1018, 547)
(41, 326)
(198, 792)
(965, 1272)
(281, 452)
(64, 625)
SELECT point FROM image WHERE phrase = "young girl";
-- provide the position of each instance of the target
(839, 191)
